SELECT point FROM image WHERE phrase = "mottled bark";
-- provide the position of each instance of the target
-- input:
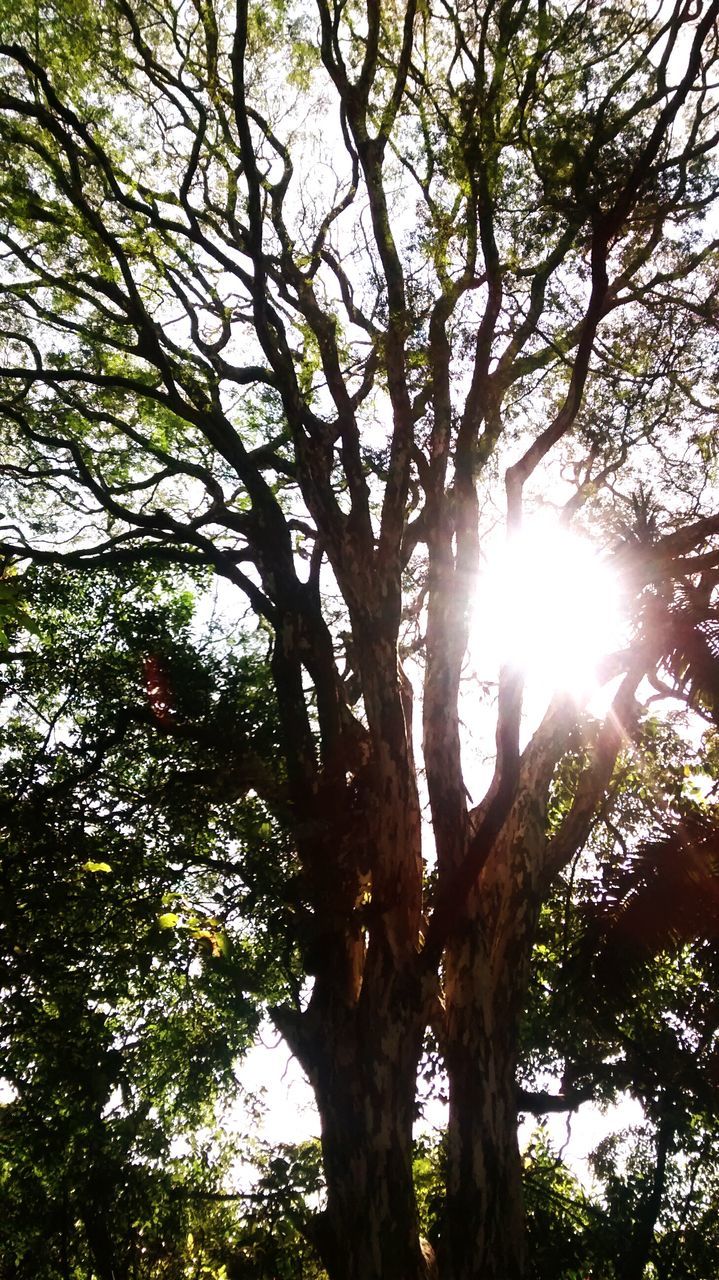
(484, 1235)
(360, 1038)
(486, 976)
(367, 1143)
(363, 1073)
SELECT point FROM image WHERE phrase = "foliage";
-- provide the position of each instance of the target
(121, 1020)
(565, 1225)
(271, 1243)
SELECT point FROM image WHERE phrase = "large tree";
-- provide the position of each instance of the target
(315, 296)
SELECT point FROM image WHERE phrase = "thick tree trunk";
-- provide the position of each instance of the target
(487, 967)
(360, 1038)
(362, 1064)
(367, 1143)
(486, 974)
(484, 1235)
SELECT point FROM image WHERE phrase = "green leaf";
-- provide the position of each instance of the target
(224, 946)
(168, 920)
(96, 866)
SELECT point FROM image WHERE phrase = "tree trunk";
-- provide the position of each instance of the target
(484, 1234)
(486, 975)
(362, 1063)
(360, 1038)
(487, 967)
(367, 1143)
(632, 1264)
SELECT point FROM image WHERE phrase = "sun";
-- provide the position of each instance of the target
(548, 604)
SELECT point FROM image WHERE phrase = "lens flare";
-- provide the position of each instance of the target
(548, 604)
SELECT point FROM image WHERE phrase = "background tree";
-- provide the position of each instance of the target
(125, 999)
(323, 362)
(622, 1000)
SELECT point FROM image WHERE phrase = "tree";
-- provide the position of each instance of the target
(123, 1003)
(620, 1001)
(322, 361)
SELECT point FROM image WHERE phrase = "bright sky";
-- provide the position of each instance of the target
(547, 602)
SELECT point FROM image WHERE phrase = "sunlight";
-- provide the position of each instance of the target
(548, 604)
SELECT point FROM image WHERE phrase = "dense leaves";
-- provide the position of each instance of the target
(130, 980)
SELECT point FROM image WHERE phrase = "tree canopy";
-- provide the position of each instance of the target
(325, 302)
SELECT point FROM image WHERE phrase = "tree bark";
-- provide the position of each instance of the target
(362, 1064)
(487, 965)
(367, 1119)
(484, 1234)
(360, 1038)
